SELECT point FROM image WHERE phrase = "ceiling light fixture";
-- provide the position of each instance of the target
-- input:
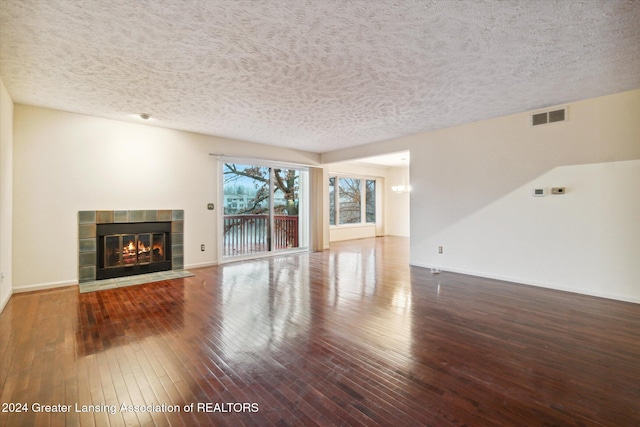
(404, 188)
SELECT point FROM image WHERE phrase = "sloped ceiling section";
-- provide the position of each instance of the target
(315, 75)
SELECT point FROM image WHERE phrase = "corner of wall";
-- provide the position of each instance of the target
(6, 195)
(473, 196)
(5, 300)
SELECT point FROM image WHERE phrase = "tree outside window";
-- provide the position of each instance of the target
(346, 204)
(371, 200)
(350, 201)
(332, 200)
(250, 186)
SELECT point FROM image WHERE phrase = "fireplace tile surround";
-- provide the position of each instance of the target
(87, 235)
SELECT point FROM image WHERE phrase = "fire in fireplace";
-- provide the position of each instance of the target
(133, 248)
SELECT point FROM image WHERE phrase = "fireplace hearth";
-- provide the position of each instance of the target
(114, 244)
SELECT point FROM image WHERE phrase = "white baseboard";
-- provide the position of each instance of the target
(201, 265)
(521, 281)
(44, 286)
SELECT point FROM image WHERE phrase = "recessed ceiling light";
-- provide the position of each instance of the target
(145, 116)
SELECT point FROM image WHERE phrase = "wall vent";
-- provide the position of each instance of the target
(545, 117)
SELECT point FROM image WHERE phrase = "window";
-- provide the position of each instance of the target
(332, 200)
(346, 203)
(262, 210)
(371, 200)
(350, 205)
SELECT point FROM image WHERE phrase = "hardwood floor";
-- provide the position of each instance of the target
(352, 336)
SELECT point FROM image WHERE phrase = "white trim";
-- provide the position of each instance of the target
(519, 281)
(261, 162)
(43, 286)
(220, 210)
(354, 176)
(352, 225)
(4, 303)
(202, 265)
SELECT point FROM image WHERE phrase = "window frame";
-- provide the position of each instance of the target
(363, 202)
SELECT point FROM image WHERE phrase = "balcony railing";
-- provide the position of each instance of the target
(247, 234)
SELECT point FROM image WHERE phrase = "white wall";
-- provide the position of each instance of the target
(397, 214)
(6, 194)
(65, 162)
(586, 240)
(471, 195)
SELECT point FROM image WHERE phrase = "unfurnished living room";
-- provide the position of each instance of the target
(331, 213)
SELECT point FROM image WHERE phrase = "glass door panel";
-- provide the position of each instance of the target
(158, 247)
(246, 193)
(144, 248)
(286, 203)
(129, 249)
(265, 209)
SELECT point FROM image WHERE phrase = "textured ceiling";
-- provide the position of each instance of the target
(315, 75)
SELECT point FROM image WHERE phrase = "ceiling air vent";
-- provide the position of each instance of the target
(549, 117)
(539, 119)
(556, 116)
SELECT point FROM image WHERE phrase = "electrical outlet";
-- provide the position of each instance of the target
(202, 247)
(439, 249)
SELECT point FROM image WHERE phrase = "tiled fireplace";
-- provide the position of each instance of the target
(124, 243)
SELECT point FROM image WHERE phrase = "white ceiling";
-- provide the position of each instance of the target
(315, 75)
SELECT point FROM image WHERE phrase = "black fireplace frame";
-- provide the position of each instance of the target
(103, 230)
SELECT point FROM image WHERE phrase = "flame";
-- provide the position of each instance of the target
(142, 248)
(136, 251)
(158, 247)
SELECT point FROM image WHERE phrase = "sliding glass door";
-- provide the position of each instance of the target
(286, 204)
(264, 209)
(246, 209)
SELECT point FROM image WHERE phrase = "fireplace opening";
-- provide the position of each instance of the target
(132, 248)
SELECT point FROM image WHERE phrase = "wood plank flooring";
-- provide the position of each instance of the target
(351, 336)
